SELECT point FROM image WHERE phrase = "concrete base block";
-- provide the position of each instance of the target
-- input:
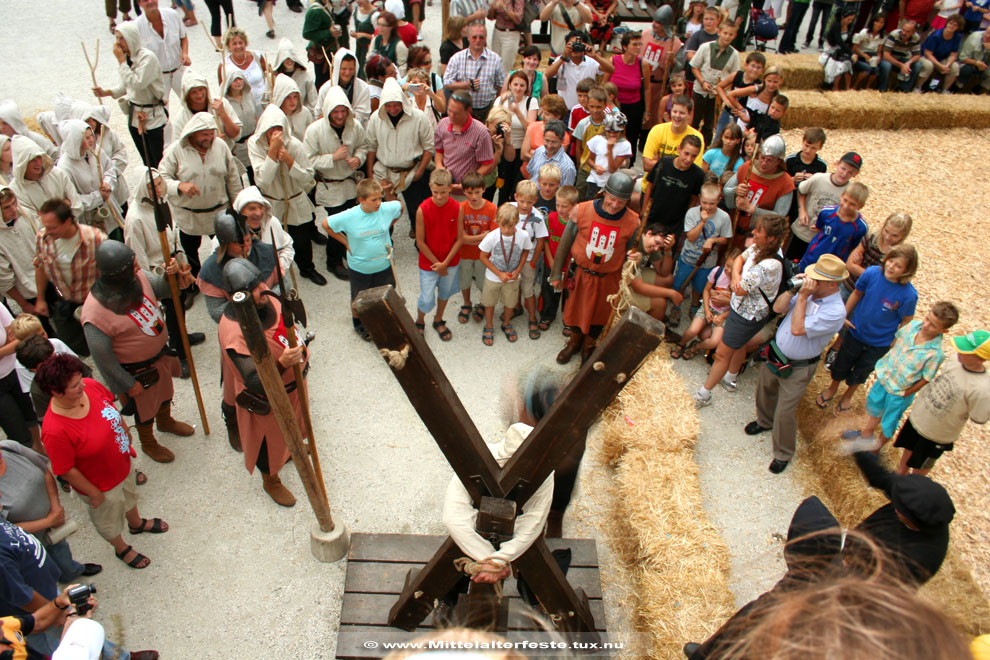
(329, 546)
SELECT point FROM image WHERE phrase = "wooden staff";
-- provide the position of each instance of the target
(271, 380)
(285, 219)
(99, 172)
(210, 37)
(92, 65)
(163, 220)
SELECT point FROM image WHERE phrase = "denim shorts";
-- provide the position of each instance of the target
(888, 407)
(433, 286)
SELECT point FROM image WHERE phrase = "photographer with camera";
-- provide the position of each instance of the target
(29, 593)
(814, 314)
(74, 604)
(579, 61)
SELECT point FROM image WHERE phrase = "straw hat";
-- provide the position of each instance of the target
(828, 268)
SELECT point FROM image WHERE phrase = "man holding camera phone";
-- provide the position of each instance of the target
(814, 314)
(29, 592)
(578, 62)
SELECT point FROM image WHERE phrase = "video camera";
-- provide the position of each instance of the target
(79, 597)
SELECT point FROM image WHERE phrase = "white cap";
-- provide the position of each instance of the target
(82, 641)
(397, 8)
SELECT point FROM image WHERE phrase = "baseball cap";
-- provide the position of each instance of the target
(976, 343)
(82, 641)
(854, 159)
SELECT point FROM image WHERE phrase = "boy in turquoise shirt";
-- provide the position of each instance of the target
(365, 231)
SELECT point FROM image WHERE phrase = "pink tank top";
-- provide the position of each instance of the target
(628, 78)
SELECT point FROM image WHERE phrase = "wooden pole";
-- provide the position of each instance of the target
(92, 65)
(99, 172)
(278, 398)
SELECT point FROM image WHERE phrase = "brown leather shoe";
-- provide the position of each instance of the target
(150, 446)
(166, 424)
(277, 491)
(587, 348)
(572, 346)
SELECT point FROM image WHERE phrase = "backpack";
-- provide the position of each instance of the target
(765, 27)
(786, 273)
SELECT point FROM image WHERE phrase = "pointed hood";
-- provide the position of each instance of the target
(191, 81)
(66, 107)
(338, 57)
(270, 118)
(200, 121)
(73, 132)
(232, 74)
(24, 150)
(336, 97)
(392, 91)
(140, 192)
(284, 86)
(248, 195)
(101, 113)
(287, 52)
(129, 30)
(10, 113)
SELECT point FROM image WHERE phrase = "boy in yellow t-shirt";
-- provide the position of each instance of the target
(664, 139)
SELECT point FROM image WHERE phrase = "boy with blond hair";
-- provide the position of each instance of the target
(840, 228)
(548, 180)
(365, 232)
(439, 239)
(477, 219)
(29, 325)
(533, 222)
(814, 194)
(566, 202)
(504, 251)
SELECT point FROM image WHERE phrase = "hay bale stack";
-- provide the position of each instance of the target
(800, 70)
(873, 110)
(676, 559)
(809, 109)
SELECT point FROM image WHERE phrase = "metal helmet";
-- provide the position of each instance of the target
(115, 261)
(664, 16)
(240, 275)
(228, 227)
(774, 146)
(616, 121)
(620, 185)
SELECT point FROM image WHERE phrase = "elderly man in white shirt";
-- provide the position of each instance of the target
(164, 34)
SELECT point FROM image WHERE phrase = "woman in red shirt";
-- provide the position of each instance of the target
(630, 72)
(89, 445)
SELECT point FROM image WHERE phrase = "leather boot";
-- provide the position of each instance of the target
(166, 424)
(588, 347)
(150, 446)
(572, 346)
(233, 431)
(277, 491)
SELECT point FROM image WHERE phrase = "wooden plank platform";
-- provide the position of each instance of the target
(377, 565)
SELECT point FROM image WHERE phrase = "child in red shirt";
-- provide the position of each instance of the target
(579, 112)
(567, 199)
(439, 238)
(478, 218)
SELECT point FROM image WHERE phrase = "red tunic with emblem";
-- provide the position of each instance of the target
(255, 429)
(137, 336)
(599, 247)
(763, 192)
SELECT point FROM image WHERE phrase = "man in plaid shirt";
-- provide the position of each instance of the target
(66, 259)
(908, 366)
(478, 70)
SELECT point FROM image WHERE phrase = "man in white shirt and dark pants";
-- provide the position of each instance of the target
(163, 33)
(814, 314)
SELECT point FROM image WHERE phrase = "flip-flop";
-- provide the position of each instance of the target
(840, 411)
(822, 402)
(464, 315)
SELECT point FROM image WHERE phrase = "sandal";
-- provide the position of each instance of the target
(478, 313)
(840, 410)
(464, 315)
(445, 334)
(158, 526)
(488, 336)
(544, 325)
(690, 351)
(534, 330)
(676, 352)
(421, 327)
(140, 478)
(510, 333)
(822, 402)
(139, 560)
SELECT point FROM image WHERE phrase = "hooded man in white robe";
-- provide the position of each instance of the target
(12, 124)
(356, 90)
(84, 166)
(284, 175)
(335, 144)
(36, 179)
(197, 97)
(287, 62)
(17, 249)
(262, 225)
(202, 176)
(247, 111)
(286, 97)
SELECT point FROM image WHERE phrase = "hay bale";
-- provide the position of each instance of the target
(809, 109)
(800, 70)
(675, 558)
(867, 109)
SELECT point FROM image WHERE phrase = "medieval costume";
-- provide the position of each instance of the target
(184, 111)
(51, 184)
(84, 166)
(10, 115)
(356, 91)
(299, 117)
(247, 111)
(285, 59)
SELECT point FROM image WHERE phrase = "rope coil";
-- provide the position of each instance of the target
(395, 359)
(471, 568)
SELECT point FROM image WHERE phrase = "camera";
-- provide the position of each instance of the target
(79, 597)
(578, 46)
(795, 283)
(499, 130)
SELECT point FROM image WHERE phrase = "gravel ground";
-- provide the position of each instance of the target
(235, 574)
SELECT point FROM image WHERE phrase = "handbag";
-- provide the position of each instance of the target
(778, 363)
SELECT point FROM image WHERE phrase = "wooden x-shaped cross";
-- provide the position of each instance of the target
(617, 358)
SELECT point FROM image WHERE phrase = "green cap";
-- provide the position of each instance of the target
(976, 343)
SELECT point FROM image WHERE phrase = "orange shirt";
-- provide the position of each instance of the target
(477, 223)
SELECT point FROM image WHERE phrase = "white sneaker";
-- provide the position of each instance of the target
(629, 5)
(642, 5)
(700, 401)
(729, 385)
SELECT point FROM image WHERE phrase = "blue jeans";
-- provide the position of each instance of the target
(681, 272)
(61, 554)
(46, 642)
(905, 85)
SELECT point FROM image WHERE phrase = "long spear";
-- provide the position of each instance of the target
(163, 220)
